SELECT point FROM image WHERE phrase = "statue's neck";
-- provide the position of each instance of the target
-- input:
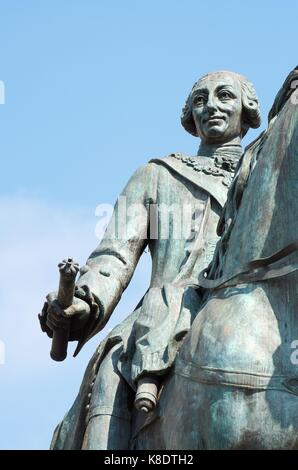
(232, 149)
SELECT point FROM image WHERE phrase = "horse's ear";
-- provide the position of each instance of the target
(289, 86)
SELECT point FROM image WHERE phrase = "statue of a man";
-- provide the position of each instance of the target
(130, 363)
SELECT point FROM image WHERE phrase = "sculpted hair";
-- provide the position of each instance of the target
(251, 116)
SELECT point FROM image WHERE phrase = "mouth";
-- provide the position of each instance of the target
(213, 119)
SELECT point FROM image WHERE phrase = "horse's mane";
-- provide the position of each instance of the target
(243, 171)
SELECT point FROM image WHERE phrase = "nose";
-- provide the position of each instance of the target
(211, 105)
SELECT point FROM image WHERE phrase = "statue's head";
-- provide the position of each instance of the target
(220, 107)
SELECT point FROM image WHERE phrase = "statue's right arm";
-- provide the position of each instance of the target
(111, 265)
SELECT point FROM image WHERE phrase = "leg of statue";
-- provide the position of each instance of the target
(106, 432)
(111, 403)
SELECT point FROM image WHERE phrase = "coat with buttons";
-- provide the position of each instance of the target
(173, 210)
(149, 338)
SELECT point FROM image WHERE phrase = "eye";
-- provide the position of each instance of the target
(199, 100)
(225, 95)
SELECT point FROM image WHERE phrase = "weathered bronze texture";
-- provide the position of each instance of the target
(68, 270)
(211, 341)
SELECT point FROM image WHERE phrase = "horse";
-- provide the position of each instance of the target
(234, 384)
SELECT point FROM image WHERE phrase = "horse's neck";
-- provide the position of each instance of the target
(266, 220)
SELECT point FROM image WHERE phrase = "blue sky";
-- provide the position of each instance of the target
(94, 89)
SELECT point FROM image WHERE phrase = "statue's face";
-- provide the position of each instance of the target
(217, 108)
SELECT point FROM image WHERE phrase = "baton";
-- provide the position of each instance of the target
(68, 270)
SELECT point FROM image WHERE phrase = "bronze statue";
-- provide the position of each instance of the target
(133, 363)
(236, 362)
